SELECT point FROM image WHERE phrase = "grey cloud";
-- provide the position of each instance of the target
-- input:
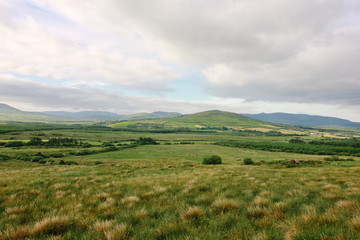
(49, 97)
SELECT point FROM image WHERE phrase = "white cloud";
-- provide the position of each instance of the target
(31, 47)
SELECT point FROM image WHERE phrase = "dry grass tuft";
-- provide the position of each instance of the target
(52, 225)
(119, 232)
(225, 205)
(102, 196)
(141, 214)
(332, 195)
(329, 216)
(296, 192)
(14, 210)
(289, 228)
(257, 212)
(350, 205)
(331, 186)
(309, 213)
(160, 189)
(192, 213)
(109, 202)
(60, 194)
(101, 226)
(260, 236)
(355, 223)
(130, 201)
(55, 238)
(148, 195)
(261, 201)
(15, 234)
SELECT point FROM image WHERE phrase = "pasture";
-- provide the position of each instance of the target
(164, 191)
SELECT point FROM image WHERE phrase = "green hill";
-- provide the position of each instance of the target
(214, 119)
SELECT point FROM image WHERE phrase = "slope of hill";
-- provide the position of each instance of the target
(303, 120)
(214, 119)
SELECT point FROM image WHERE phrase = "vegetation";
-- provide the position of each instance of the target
(142, 185)
(248, 161)
(294, 147)
(212, 160)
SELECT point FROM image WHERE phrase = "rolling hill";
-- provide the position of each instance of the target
(304, 120)
(214, 119)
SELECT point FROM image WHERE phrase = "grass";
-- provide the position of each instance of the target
(165, 192)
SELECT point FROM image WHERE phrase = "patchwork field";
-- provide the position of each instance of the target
(164, 191)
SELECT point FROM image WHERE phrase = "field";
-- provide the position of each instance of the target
(163, 191)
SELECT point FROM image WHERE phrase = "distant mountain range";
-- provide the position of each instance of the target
(8, 113)
(304, 120)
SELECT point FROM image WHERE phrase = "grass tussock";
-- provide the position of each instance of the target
(192, 213)
(119, 232)
(53, 225)
(223, 205)
(15, 234)
(355, 223)
(100, 226)
(141, 214)
(14, 210)
(131, 201)
(257, 211)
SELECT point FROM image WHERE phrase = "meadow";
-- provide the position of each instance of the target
(164, 191)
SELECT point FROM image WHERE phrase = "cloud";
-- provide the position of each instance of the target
(48, 45)
(325, 72)
(28, 94)
(279, 51)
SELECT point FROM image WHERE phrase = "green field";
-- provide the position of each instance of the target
(164, 191)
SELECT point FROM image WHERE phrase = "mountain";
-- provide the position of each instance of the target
(304, 120)
(213, 119)
(8, 109)
(8, 113)
(154, 115)
(86, 115)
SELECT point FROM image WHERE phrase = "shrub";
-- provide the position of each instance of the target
(145, 141)
(248, 161)
(107, 144)
(62, 162)
(98, 162)
(14, 144)
(23, 157)
(214, 159)
(36, 158)
(57, 155)
(4, 157)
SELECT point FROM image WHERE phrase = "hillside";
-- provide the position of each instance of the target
(214, 119)
(304, 120)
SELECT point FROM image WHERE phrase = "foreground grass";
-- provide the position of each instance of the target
(164, 192)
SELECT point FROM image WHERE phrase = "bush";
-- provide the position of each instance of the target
(57, 155)
(23, 157)
(62, 162)
(14, 144)
(36, 158)
(214, 159)
(248, 161)
(98, 162)
(4, 157)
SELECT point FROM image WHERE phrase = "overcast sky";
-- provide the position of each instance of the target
(129, 56)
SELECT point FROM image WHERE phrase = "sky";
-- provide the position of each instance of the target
(187, 56)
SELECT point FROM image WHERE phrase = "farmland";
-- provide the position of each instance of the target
(126, 187)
